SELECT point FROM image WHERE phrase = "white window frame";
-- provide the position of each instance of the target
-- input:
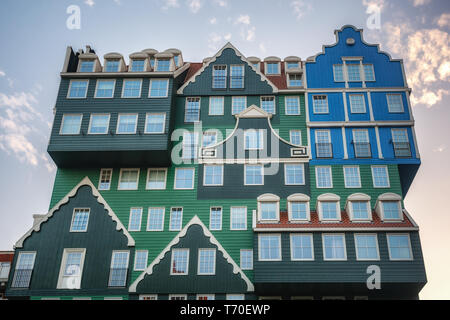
(272, 62)
(331, 177)
(196, 144)
(345, 177)
(290, 136)
(140, 218)
(324, 251)
(232, 104)
(212, 132)
(111, 267)
(310, 235)
(198, 262)
(351, 104)
(104, 80)
(231, 218)
(338, 211)
(240, 259)
(352, 215)
(364, 72)
(226, 76)
(288, 80)
(135, 260)
(399, 207)
(73, 219)
(120, 178)
(274, 104)
(187, 262)
(243, 76)
(100, 179)
(17, 268)
(286, 108)
(175, 295)
(277, 212)
(245, 174)
(62, 124)
(221, 218)
(232, 296)
(260, 138)
(285, 174)
(99, 114)
(314, 108)
(387, 176)
(123, 89)
(279, 246)
(221, 175)
(148, 178)
(146, 121)
(175, 178)
(150, 89)
(70, 87)
(343, 73)
(151, 296)
(389, 105)
(410, 247)
(308, 212)
(127, 114)
(199, 109)
(66, 251)
(223, 106)
(163, 219)
(355, 235)
(210, 296)
(181, 219)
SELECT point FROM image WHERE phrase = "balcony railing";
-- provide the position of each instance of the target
(402, 149)
(118, 277)
(324, 150)
(362, 149)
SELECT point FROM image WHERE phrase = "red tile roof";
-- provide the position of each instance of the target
(344, 223)
(6, 256)
(193, 68)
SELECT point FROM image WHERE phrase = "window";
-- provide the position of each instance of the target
(4, 270)
(155, 122)
(134, 223)
(127, 123)
(105, 88)
(352, 178)
(159, 88)
(205, 297)
(219, 77)
(320, 104)
(156, 179)
(292, 105)
(71, 124)
(254, 175)
(80, 220)
(361, 143)
(152, 62)
(395, 103)
(235, 297)
(254, 139)
(294, 174)
(334, 247)
(128, 179)
(237, 77)
(366, 247)
(329, 210)
(78, 89)
(184, 178)
(148, 297)
(140, 260)
(105, 179)
(215, 218)
(360, 210)
(338, 72)
(272, 68)
(369, 74)
(238, 104)
(112, 65)
(357, 103)
(246, 258)
(294, 80)
(131, 88)
(400, 141)
(295, 137)
(380, 177)
(302, 247)
(353, 72)
(213, 175)
(209, 138)
(292, 65)
(137, 65)
(71, 269)
(399, 247)
(176, 59)
(155, 220)
(324, 148)
(99, 124)
(269, 247)
(163, 65)
(268, 104)
(119, 269)
(391, 210)
(190, 145)
(298, 210)
(206, 261)
(24, 269)
(238, 218)
(323, 177)
(216, 106)
(180, 262)
(268, 211)
(87, 66)
(176, 219)
(192, 112)
(177, 297)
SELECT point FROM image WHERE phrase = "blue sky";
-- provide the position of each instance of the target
(34, 39)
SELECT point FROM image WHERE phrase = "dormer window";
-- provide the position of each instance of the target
(112, 65)
(329, 207)
(358, 207)
(268, 208)
(176, 59)
(163, 65)
(87, 66)
(391, 210)
(294, 80)
(298, 207)
(292, 65)
(272, 68)
(137, 65)
(389, 207)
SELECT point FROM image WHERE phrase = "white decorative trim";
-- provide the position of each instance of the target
(85, 182)
(182, 233)
(339, 229)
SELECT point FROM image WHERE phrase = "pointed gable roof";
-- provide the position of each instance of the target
(253, 112)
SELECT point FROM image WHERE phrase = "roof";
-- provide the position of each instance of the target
(193, 68)
(6, 256)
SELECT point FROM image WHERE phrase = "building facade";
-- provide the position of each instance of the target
(6, 258)
(232, 178)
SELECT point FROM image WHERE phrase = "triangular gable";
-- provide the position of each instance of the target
(85, 182)
(253, 112)
(218, 54)
(182, 233)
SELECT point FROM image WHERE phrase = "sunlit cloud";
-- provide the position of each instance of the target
(248, 32)
(2, 73)
(221, 3)
(194, 5)
(417, 3)
(90, 3)
(301, 8)
(444, 20)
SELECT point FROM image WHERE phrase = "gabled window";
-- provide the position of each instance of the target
(294, 174)
(268, 104)
(78, 89)
(246, 259)
(269, 210)
(131, 88)
(329, 210)
(140, 260)
(71, 124)
(128, 179)
(219, 75)
(105, 179)
(391, 210)
(159, 88)
(361, 143)
(380, 177)
(179, 264)
(324, 177)
(80, 220)
(134, 223)
(366, 246)
(353, 72)
(237, 76)
(338, 73)
(24, 269)
(357, 103)
(192, 110)
(369, 74)
(105, 88)
(254, 139)
(292, 105)
(112, 65)
(127, 123)
(137, 65)
(238, 104)
(215, 218)
(155, 220)
(119, 269)
(209, 138)
(302, 247)
(176, 219)
(155, 122)
(156, 179)
(399, 246)
(389, 207)
(269, 247)
(360, 210)
(395, 103)
(334, 247)
(163, 65)
(71, 269)
(320, 104)
(298, 210)
(216, 106)
(238, 218)
(254, 174)
(213, 175)
(206, 262)
(294, 80)
(184, 178)
(272, 68)
(352, 177)
(99, 123)
(190, 145)
(87, 66)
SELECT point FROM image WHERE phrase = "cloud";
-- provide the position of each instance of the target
(227, 36)
(213, 20)
(170, 4)
(374, 5)
(417, 3)
(90, 3)
(221, 3)
(301, 8)
(243, 19)
(194, 5)
(262, 48)
(444, 20)
(248, 32)
(2, 73)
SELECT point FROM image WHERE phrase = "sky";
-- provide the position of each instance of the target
(35, 35)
